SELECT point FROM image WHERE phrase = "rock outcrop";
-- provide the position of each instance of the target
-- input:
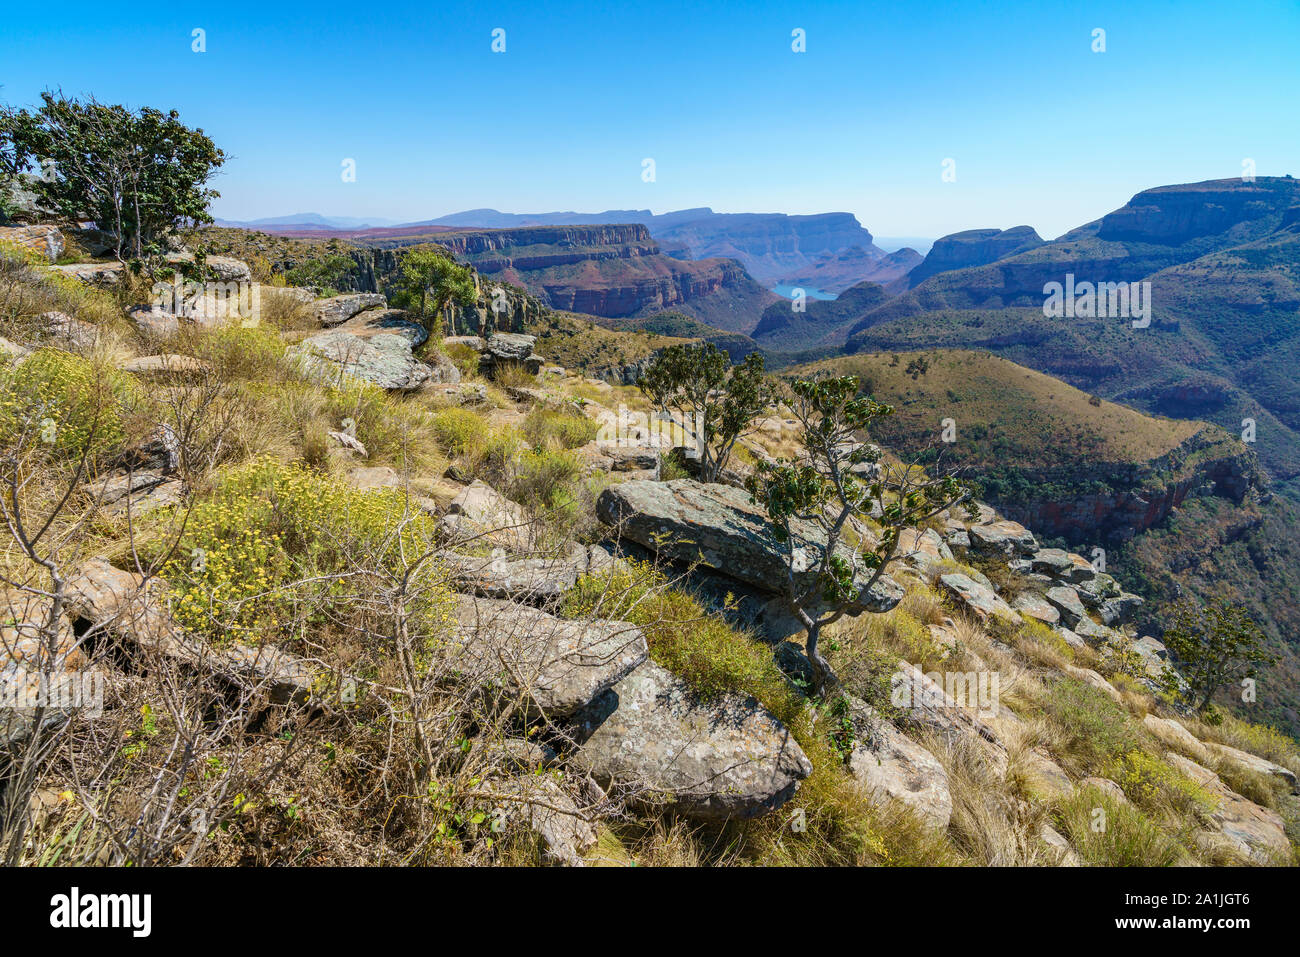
(649, 738)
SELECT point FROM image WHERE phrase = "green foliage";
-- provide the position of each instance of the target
(1090, 731)
(1155, 784)
(269, 553)
(700, 385)
(138, 174)
(458, 431)
(329, 272)
(550, 428)
(823, 489)
(429, 280)
(69, 404)
(1112, 833)
(1215, 645)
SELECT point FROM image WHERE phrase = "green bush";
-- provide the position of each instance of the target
(549, 428)
(263, 554)
(74, 406)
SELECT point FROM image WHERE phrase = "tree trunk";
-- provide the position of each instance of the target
(825, 683)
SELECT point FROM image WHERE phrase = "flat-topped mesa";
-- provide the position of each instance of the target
(974, 247)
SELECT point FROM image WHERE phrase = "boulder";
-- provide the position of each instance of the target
(154, 320)
(1044, 776)
(1094, 680)
(481, 511)
(1253, 831)
(535, 580)
(339, 309)
(1066, 601)
(1051, 561)
(45, 240)
(1004, 538)
(651, 738)
(1114, 611)
(561, 665)
(29, 657)
(441, 368)
(891, 765)
(1037, 607)
(923, 547)
(542, 806)
(510, 348)
(1250, 762)
(12, 352)
(721, 527)
(374, 347)
(1173, 735)
(925, 704)
(68, 333)
(975, 597)
(473, 342)
(135, 493)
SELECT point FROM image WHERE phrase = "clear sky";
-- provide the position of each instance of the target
(1042, 130)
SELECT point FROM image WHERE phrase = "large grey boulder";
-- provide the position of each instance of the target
(891, 765)
(481, 513)
(45, 240)
(976, 597)
(1066, 601)
(1252, 831)
(533, 580)
(510, 348)
(1005, 537)
(339, 309)
(721, 527)
(560, 665)
(373, 346)
(650, 738)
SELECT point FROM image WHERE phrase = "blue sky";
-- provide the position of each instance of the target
(1043, 130)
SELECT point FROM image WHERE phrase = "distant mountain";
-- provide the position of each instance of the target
(973, 247)
(309, 220)
(1223, 262)
(832, 249)
(821, 323)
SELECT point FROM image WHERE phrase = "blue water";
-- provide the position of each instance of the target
(812, 292)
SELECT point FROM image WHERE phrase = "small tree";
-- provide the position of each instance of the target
(719, 400)
(431, 280)
(1215, 645)
(138, 175)
(839, 482)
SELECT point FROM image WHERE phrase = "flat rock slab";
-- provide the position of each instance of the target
(1251, 762)
(925, 704)
(651, 738)
(892, 766)
(1005, 537)
(167, 365)
(560, 664)
(339, 309)
(1254, 831)
(533, 580)
(976, 597)
(721, 527)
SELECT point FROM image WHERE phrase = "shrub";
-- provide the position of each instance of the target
(458, 431)
(72, 405)
(1088, 730)
(547, 428)
(1155, 785)
(271, 549)
(465, 358)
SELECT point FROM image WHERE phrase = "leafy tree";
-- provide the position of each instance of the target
(431, 280)
(1216, 644)
(841, 484)
(137, 175)
(718, 400)
(328, 272)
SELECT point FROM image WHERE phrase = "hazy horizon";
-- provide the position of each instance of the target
(1053, 136)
